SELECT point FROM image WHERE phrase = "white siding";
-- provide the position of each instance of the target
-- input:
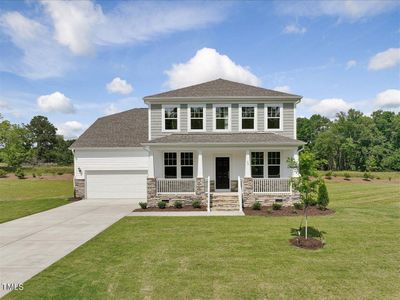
(109, 159)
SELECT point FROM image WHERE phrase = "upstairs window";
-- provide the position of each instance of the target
(197, 117)
(247, 117)
(257, 164)
(274, 164)
(221, 113)
(274, 117)
(171, 119)
(186, 164)
(170, 167)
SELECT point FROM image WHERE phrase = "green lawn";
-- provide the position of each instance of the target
(238, 257)
(19, 198)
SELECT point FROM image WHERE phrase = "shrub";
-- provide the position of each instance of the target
(298, 205)
(34, 175)
(366, 176)
(161, 204)
(60, 173)
(143, 205)
(334, 175)
(178, 204)
(390, 178)
(328, 175)
(196, 204)
(346, 176)
(276, 206)
(256, 205)
(323, 197)
(312, 202)
(20, 173)
(3, 173)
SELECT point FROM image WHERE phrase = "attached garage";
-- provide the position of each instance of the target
(116, 185)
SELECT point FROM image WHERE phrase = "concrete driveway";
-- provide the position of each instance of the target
(31, 244)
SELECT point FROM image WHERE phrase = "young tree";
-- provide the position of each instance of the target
(323, 197)
(308, 182)
(43, 135)
(16, 148)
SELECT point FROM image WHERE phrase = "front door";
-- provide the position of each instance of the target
(222, 173)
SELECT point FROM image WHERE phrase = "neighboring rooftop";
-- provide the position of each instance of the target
(125, 129)
(254, 138)
(220, 88)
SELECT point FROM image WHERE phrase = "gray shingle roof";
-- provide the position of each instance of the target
(260, 138)
(125, 129)
(221, 88)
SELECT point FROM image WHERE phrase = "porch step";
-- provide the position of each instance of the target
(224, 202)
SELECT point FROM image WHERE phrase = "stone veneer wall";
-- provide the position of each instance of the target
(266, 199)
(79, 188)
(153, 198)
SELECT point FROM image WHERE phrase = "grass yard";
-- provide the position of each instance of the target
(238, 257)
(19, 198)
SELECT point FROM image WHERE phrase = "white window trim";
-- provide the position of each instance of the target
(251, 165)
(190, 115)
(280, 105)
(255, 116)
(215, 117)
(178, 163)
(266, 164)
(178, 118)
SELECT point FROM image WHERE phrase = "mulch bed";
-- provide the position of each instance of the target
(310, 243)
(184, 208)
(286, 211)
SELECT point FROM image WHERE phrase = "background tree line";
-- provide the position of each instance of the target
(353, 141)
(33, 143)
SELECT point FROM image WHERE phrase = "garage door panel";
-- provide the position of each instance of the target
(117, 185)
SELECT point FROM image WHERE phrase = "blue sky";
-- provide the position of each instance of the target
(76, 61)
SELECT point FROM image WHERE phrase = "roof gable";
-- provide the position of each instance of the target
(220, 88)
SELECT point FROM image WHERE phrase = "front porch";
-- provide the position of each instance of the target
(226, 178)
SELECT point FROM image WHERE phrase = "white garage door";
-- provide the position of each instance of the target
(116, 185)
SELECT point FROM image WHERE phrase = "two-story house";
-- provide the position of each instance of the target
(221, 142)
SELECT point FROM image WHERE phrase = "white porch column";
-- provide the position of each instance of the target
(151, 164)
(200, 164)
(247, 168)
(295, 171)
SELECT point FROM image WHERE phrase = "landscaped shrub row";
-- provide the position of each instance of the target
(177, 204)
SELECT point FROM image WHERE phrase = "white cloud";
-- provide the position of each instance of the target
(294, 29)
(326, 107)
(70, 129)
(344, 9)
(350, 64)
(384, 60)
(207, 64)
(118, 85)
(283, 88)
(4, 104)
(81, 25)
(111, 109)
(388, 99)
(41, 57)
(56, 102)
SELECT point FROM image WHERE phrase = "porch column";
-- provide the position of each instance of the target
(295, 172)
(151, 164)
(200, 164)
(247, 168)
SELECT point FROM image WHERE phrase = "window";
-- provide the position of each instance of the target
(186, 164)
(274, 116)
(257, 164)
(247, 114)
(196, 117)
(274, 164)
(170, 168)
(221, 113)
(171, 117)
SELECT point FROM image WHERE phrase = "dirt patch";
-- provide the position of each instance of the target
(310, 243)
(184, 208)
(286, 211)
(43, 177)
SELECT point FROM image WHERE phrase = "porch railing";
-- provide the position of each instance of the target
(272, 186)
(176, 186)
